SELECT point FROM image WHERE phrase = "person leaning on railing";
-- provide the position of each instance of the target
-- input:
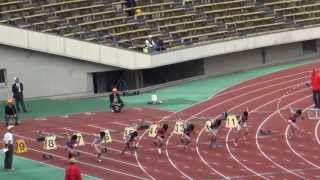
(150, 45)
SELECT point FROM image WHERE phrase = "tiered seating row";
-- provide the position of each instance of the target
(176, 23)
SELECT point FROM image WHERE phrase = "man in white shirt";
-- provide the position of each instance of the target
(8, 144)
(150, 44)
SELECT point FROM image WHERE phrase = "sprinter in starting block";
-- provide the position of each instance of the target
(292, 122)
(213, 128)
(49, 142)
(70, 145)
(242, 127)
(99, 145)
(186, 136)
(159, 138)
(130, 142)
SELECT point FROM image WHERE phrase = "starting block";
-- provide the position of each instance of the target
(21, 146)
(152, 131)
(314, 114)
(127, 131)
(178, 127)
(50, 143)
(80, 141)
(107, 139)
(232, 121)
(207, 125)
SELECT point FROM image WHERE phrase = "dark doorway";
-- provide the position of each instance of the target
(122, 79)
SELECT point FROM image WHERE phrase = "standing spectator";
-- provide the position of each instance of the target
(8, 144)
(150, 44)
(10, 113)
(315, 85)
(131, 4)
(72, 171)
(116, 104)
(17, 91)
(122, 85)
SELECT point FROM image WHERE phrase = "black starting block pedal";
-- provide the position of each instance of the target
(47, 156)
(76, 154)
(264, 132)
(104, 150)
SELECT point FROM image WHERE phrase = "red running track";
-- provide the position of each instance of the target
(259, 157)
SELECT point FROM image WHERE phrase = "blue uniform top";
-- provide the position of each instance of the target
(70, 144)
(294, 117)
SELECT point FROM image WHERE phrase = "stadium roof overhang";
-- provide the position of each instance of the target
(127, 59)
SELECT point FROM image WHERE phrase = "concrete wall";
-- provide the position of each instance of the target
(254, 58)
(72, 48)
(46, 74)
(283, 53)
(233, 62)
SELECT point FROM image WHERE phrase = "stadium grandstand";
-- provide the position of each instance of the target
(159, 89)
(93, 43)
(176, 23)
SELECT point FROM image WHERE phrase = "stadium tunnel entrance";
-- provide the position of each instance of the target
(136, 79)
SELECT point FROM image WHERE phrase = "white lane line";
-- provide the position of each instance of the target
(210, 97)
(259, 107)
(89, 134)
(244, 94)
(50, 165)
(257, 137)
(202, 130)
(261, 82)
(286, 133)
(296, 153)
(273, 173)
(121, 124)
(316, 131)
(210, 107)
(88, 164)
(101, 128)
(93, 155)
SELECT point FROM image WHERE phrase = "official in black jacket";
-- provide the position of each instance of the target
(116, 104)
(17, 91)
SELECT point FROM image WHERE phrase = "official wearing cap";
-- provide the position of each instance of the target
(8, 144)
(10, 112)
(116, 104)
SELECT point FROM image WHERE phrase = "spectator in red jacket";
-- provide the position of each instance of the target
(315, 85)
(72, 171)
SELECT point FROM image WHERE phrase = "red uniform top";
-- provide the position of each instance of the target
(161, 132)
(315, 80)
(72, 172)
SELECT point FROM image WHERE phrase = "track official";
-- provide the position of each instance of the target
(8, 143)
(315, 85)
(116, 103)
